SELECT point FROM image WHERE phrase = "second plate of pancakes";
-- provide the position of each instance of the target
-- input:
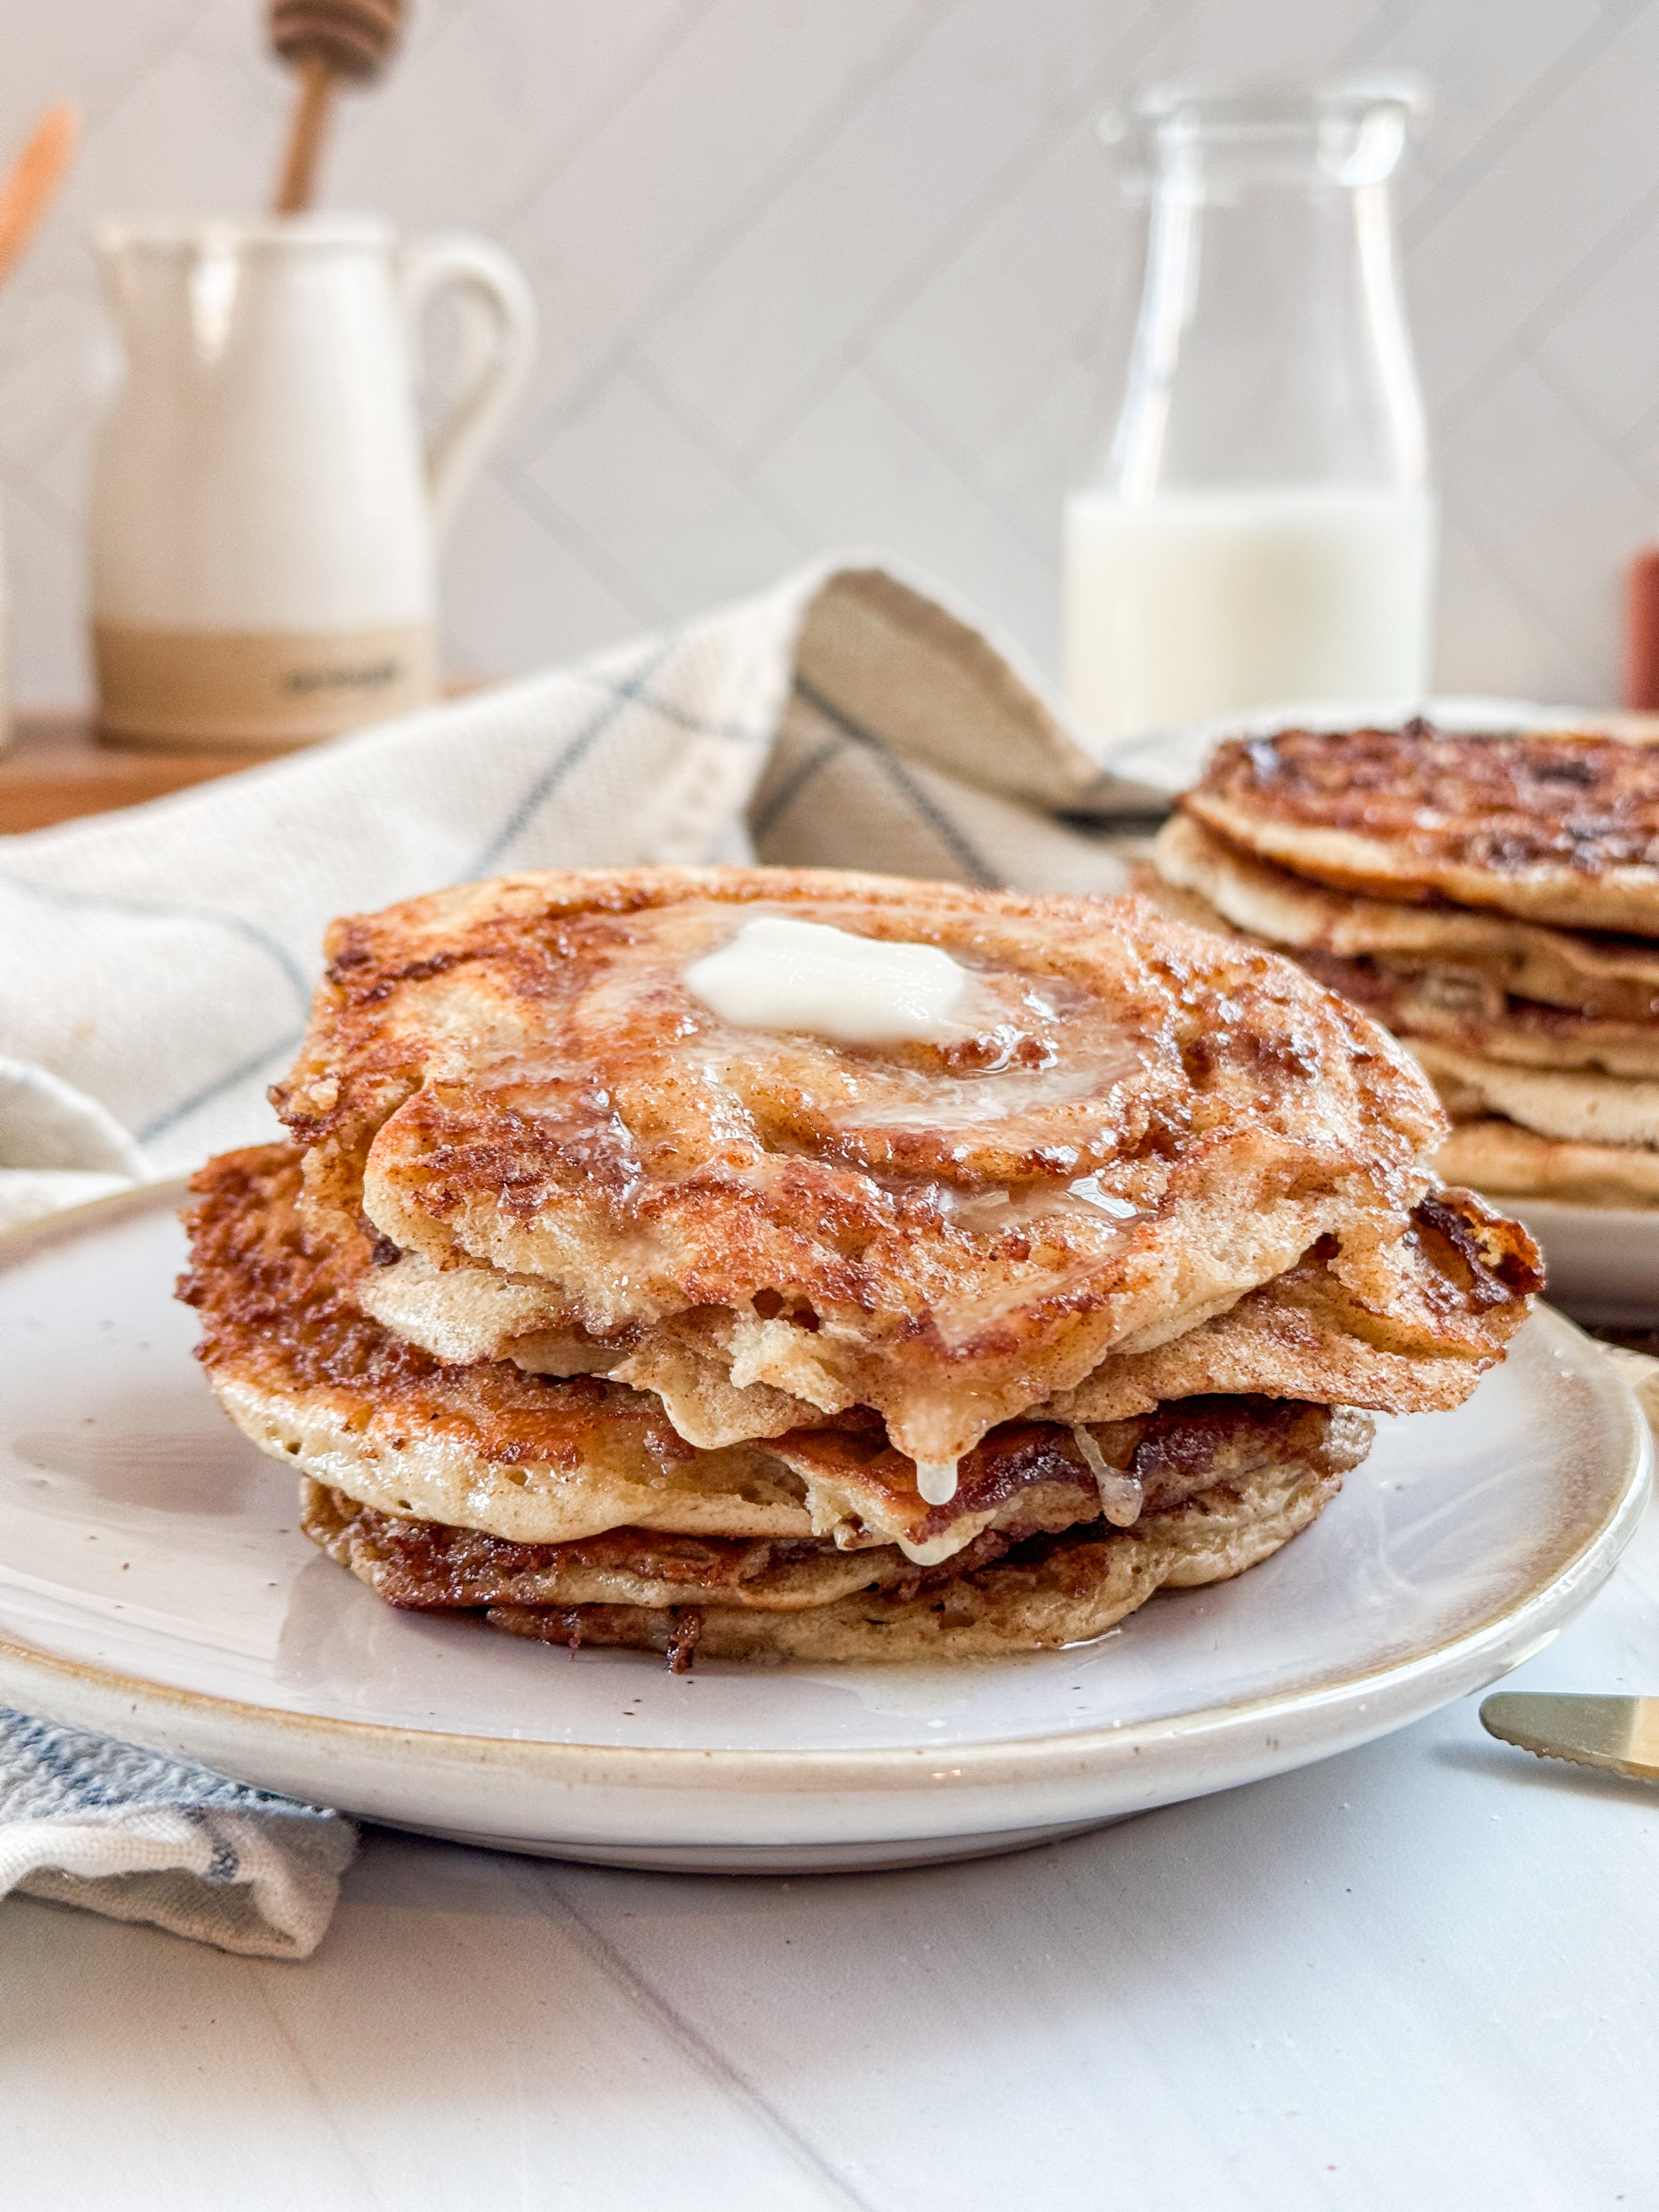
(156, 1586)
(1483, 881)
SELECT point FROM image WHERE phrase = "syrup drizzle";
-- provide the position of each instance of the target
(1121, 1493)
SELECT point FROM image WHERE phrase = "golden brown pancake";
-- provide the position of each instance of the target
(311, 1381)
(1486, 968)
(1205, 1444)
(1402, 1325)
(1464, 1013)
(571, 1160)
(386, 1438)
(1542, 1043)
(1408, 1326)
(1555, 827)
(1460, 1006)
(582, 1311)
(1577, 1108)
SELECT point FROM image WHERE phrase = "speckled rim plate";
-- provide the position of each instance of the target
(1455, 1552)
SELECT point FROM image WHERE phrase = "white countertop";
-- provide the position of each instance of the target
(1424, 1974)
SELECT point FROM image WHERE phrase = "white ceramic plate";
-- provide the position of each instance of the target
(1602, 1260)
(153, 1584)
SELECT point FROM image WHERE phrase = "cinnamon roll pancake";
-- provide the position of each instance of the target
(569, 1509)
(580, 1157)
(828, 1265)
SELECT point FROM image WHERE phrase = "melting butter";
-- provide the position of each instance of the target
(777, 973)
(1087, 1189)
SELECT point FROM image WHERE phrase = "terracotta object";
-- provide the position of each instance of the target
(1642, 632)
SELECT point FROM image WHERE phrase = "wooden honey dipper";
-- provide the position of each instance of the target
(326, 41)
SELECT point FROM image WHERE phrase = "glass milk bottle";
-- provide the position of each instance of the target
(1263, 531)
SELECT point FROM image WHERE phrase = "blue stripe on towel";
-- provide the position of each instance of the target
(51, 1773)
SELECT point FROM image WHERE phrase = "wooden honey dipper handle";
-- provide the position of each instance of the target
(326, 41)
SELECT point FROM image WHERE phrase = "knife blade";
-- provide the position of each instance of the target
(1620, 1733)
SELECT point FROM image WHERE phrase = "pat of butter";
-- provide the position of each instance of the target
(781, 975)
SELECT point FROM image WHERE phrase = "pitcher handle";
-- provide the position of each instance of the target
(481, 272)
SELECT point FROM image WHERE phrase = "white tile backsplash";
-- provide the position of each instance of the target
(1603, 358)
(664, 505)
(1489, 253)
(517, 594)
(1541, 497)
(856, 469)
(813, 272)
(1490, 639)
(478, 123)
(1048, 260)
(1058, 437)
(943, 137)
(695, 153)
(1476, 83)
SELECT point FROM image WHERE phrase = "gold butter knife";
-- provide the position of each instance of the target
(1621, 1734)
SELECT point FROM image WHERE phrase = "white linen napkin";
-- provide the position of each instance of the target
(156, 967)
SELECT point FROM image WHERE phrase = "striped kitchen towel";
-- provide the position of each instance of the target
(86, 1822)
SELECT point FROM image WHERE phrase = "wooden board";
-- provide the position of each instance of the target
(55, 770)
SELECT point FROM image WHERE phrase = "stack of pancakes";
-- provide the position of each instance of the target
(1493, 899)
(586, 1309)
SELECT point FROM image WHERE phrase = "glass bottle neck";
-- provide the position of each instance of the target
(1271, 349)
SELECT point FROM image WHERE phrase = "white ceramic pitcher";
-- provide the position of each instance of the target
(265, 514)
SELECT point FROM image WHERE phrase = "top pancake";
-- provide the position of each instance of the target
(1139, 1122)
(1554, 827)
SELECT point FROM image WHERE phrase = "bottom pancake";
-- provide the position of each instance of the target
(766, 1598)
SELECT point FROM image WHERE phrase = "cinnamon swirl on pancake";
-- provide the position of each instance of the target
(866, 1268)
(1554, 826)
(583, 1165)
